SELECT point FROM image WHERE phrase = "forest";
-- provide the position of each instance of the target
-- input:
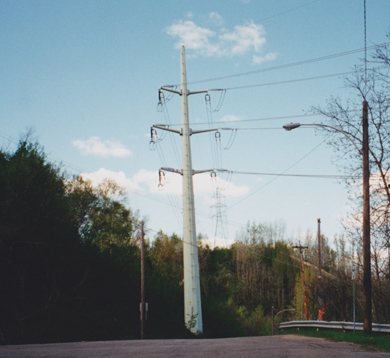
(70, 266)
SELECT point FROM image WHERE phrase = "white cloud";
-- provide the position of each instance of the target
(216, 18)
(230, 118)
(193, 37)
(258, 60)
(204, 186)
(96, 146)
(243, 39)
(119, 177)
(205, 42)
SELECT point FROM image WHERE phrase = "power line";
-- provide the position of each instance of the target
(285, 12)
(290, 81)
(268, 183)
(293, 64)
(319, 176)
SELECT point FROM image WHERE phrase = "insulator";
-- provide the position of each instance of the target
(207, 97)
(217, 134)
(152, 145)
(213, 174)
(161, 96)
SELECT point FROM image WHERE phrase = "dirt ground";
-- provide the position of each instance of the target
(268, 346)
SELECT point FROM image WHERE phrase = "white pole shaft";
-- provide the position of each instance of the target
(192, 298)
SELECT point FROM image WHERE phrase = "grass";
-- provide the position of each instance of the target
(373, 341)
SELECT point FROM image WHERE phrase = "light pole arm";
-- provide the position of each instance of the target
(291, 126)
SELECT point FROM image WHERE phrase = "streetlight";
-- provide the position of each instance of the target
(367, 324)
(273, 318)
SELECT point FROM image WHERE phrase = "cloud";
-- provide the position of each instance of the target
(205, 42)
(230, 118)
(95, 146)
(216, 18)
(243, 39)
(193, 37)
(119, 177)
(258, 60)
(204, 186)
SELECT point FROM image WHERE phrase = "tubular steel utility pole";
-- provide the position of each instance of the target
(367, 323)
(320, 301)
(192, 298)
(300, 247)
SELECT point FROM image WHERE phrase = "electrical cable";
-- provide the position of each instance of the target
(268, 183)
(293, 64)
(290, 81)
(319, 176)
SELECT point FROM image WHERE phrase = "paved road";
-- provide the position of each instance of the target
(270, 347)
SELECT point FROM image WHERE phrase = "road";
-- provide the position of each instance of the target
(269, 346)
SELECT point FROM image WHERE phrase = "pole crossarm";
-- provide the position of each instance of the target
(180, 171)
(172, 170)
(165, 127)
(202, 171)
(291, 126)
(170, 89)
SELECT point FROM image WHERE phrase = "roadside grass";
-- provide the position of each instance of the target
(373, 341)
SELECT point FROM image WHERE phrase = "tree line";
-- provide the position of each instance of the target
(70, 252)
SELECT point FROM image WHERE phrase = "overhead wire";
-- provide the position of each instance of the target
(293, 64)
(319, 176)
(268, 183)
(290, 81)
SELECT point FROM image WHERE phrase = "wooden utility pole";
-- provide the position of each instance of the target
(143, 305)
(367, 310)
(320, 300)
(300, 247)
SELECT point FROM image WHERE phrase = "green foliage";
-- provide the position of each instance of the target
(70, 266)
(373, 341)
(102, 220)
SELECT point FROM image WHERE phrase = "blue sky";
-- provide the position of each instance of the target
(85, 76)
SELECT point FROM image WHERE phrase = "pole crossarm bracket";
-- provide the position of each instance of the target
(165, 127)
(203, 130)
(169, 89)
(172, 170)
(202, 171)
(180, 171)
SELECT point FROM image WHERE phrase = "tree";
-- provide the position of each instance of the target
(100, 214)
(370, 86)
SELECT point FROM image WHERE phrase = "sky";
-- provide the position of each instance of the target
(84, 76)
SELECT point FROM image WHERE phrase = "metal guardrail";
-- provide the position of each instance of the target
(376, 327)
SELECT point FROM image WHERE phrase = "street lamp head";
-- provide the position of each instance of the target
(289, 127)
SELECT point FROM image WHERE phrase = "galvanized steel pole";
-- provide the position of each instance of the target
(192, 299)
